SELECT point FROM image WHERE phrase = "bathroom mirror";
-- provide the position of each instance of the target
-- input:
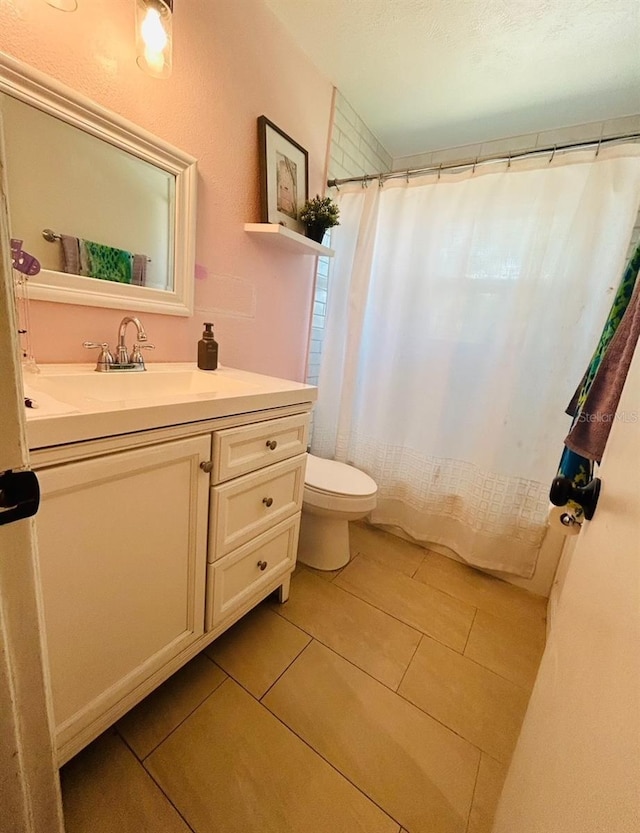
(85, 186)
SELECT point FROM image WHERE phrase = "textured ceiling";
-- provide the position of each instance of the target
(428, 74)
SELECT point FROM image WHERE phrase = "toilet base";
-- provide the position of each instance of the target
(324, 541)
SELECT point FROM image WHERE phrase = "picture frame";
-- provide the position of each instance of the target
(284, 176)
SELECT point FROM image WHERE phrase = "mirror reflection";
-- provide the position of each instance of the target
(85, 207)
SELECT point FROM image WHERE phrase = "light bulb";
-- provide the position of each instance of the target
(153, 33)
(153, 37)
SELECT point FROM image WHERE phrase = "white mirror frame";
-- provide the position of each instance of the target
(39, 90)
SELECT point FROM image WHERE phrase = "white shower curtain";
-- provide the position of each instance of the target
(462, 312)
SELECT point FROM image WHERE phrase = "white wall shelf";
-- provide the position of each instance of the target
(285, 238)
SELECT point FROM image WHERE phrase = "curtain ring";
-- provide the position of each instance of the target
(553, 153)
(336, 186)
(380, 182)
(439, 171)
(473, 170)
(363, 183)
(598, 148)
(509, 162)
(407, 176)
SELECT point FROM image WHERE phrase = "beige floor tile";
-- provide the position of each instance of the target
(390, 550)
(413, 767)
(258, 648)
(233, 767)
(328, 575)
(487, 793)
(373, 641)
(423, 607)
(479, 705)
(150, 722)
(508, 648)
(106, 790)
(481, 590)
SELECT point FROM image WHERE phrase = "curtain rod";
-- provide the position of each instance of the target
(384, 175)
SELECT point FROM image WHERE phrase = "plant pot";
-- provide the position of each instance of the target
(315, 232)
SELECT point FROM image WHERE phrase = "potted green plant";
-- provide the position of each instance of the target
(318, 214)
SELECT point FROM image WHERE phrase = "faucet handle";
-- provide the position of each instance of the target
(105, 358)
(136, 355)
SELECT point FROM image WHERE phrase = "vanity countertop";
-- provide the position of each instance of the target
(76, 403)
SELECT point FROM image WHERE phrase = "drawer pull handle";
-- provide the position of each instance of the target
(272, 444)
(262, 565)
(207, 465)
(267, 501)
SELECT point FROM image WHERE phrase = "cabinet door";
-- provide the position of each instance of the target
(122, 542)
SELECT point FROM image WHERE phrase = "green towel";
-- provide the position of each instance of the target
(107, 263)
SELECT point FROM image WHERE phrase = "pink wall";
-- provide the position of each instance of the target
(233, 62)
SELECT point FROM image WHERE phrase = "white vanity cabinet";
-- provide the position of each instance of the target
(122, 551)
(153, 542)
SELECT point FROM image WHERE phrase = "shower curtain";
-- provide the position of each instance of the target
(461, 310)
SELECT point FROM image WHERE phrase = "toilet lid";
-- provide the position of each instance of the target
(337, 478)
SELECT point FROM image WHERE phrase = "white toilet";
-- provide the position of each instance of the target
(334, 494)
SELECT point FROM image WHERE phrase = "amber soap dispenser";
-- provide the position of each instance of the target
(207, 349)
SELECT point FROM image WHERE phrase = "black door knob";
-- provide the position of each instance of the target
(563, 490)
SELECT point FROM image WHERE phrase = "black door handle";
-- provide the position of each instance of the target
(563, 490)
(19, 496)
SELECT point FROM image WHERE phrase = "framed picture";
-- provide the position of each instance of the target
(284, 176)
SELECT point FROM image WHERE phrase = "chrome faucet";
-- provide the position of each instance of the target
(123, 360)
(122, 354)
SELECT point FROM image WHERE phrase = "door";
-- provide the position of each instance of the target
(28, 778)
(576, 768)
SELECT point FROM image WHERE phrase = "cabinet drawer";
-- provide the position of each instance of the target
(240, 450)
(232, 580)
(249, 505)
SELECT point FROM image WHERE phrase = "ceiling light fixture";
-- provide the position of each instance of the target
(154, 19)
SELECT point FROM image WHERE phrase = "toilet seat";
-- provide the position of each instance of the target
(337, 478)
(331, 485)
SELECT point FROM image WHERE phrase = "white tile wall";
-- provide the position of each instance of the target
(527, 141)
(355, 151)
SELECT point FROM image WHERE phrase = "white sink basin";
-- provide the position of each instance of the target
(148, 385)
(76, 403)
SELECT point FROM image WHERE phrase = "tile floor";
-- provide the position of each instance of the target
(383, 698)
